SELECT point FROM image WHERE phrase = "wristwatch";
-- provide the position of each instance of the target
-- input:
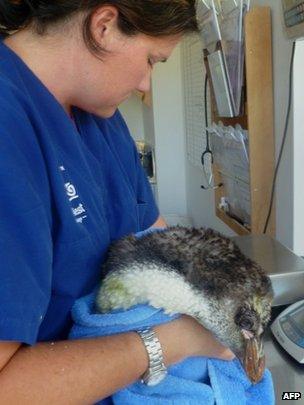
(156, 371)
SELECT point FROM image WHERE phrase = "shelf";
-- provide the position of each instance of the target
(232, 223)
(258, 119)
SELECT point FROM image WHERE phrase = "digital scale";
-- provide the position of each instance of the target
(293, 16)
(288, 329)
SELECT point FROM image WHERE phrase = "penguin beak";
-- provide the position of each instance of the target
(254, 358)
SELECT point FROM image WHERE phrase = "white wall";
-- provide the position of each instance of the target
(169, 136)
(163, 127)
(148, 121)
(298, 148)
(132, 112)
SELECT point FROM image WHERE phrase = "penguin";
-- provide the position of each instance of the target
(196, 272)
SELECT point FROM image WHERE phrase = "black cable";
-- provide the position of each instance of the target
(284, 137)
(206, 112)
(207, 148)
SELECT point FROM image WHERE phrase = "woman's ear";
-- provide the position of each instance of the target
(104, 25)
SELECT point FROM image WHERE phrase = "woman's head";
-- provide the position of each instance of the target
(122, 40)
(156, 18)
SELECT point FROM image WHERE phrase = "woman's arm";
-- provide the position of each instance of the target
(7, 351)
(85, 371)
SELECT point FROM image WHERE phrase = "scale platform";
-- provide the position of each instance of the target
(285, 269)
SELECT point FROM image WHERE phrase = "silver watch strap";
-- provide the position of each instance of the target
(156, 370)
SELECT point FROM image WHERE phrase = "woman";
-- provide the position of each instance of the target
(70, 183)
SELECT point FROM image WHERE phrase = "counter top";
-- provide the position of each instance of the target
(285, 269)
(287, 374)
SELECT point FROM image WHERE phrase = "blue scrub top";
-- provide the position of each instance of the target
(66, 192)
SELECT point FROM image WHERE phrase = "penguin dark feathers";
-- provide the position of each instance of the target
(197, 272)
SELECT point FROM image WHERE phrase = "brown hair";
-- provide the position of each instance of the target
(155, 18)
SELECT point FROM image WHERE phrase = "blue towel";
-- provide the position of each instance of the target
(194, 381)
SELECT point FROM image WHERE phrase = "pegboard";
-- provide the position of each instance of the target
(194, 77)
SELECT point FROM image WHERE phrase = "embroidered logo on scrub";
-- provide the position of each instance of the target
(78, 211)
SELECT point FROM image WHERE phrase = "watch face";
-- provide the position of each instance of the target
(154, 379)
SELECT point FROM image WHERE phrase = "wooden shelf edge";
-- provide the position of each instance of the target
(259, 73)
(232, 223)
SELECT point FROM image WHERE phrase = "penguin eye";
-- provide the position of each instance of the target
(246, 324)
(245, 318)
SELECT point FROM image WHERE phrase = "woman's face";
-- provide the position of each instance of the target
(127, 66)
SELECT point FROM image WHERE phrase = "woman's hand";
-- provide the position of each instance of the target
(185, 337)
